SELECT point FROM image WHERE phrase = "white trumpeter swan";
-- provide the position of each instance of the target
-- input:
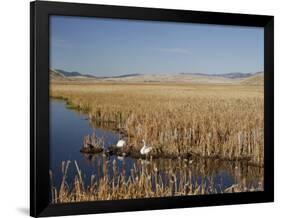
(121, 143)
(145, 149)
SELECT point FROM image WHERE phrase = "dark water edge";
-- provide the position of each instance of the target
(68, 128)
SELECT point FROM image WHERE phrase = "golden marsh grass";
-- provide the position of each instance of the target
(221, 121)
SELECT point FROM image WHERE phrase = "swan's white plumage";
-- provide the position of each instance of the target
(145, 149)
(121, 143)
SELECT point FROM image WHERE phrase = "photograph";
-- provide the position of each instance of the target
(148, 109)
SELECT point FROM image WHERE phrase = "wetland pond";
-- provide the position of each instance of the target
(68, 128)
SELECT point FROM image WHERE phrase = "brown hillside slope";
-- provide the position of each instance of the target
(55, 75)
(257, 79)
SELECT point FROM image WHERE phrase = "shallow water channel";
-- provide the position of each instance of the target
(68, 128)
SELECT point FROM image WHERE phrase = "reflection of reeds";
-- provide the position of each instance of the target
(144, 181)
(223, 121)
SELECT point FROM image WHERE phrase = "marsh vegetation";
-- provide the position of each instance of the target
(223, 121)
(195, 129)
(146, 180)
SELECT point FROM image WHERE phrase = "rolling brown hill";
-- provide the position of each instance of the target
(55, 75)
(256, 79)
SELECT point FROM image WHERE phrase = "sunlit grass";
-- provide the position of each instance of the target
(221, 121)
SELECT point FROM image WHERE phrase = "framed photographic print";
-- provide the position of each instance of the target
(140, 108)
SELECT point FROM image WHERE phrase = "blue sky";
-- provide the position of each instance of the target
(106, 47)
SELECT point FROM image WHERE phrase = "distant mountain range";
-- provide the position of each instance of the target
(73, 74)
(77, 74)
(125, 75)
(234, 75)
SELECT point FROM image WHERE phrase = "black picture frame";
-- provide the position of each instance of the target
(39, 107)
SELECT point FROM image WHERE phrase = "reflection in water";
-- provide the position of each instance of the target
(68, 127)
(222, 173)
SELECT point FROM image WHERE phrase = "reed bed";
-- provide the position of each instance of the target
(92, 144)
(220, 121)
(143, 182)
